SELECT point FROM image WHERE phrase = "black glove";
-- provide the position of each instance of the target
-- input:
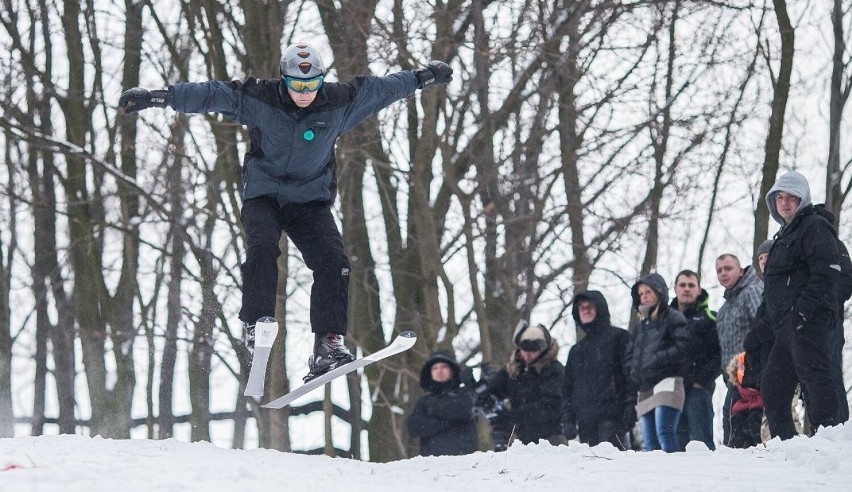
(569, 429)
(137, 99)
(436, 72)
(484, 400)
(504, 419)
(794, 320)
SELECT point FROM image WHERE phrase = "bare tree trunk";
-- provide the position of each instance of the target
(659, 133)
(88, 292)
(841, 85)
(174, 317)
(7, 415)
(774, 137)
(274, 426)
(264, 25)
(570, 141)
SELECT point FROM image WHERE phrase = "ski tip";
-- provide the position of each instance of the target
(408, 334)
(267, 319)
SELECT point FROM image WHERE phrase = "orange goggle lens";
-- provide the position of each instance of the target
(304, 85)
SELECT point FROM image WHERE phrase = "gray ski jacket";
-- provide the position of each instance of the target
(292, 149)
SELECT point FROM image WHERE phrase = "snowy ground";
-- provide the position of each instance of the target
(75, 463)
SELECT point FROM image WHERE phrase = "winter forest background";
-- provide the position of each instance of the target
(582, 143)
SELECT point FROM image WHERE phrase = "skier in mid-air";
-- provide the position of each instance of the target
(289, 179)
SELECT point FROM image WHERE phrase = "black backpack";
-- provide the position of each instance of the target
(844, 290)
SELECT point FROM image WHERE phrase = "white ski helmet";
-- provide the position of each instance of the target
(301, 61)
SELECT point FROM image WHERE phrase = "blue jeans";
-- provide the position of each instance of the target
(696, 421)
(659, 429)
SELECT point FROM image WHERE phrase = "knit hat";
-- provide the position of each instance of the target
(764, 247)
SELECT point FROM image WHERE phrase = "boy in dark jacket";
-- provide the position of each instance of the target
(597, 404)
(289, 176)
(443, 418)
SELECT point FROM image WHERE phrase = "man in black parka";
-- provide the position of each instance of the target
(289, 175)
(801, 285)
(443, 418)
(597, 403)
(702, 366)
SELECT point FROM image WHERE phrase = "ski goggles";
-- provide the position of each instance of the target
(304, 85)
(537, 345)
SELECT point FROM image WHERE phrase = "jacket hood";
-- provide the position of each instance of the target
(657, 283)
(825, 213)
(793, 183)
(426, 381)
(601, 306)
(748, 279)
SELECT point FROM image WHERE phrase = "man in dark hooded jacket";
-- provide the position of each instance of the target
(597, 404)
(443, 418)
(801, 285)
(532, 381)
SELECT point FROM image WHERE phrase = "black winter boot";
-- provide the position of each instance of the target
(329, 352)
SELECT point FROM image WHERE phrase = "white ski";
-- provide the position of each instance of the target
(265, 331)
(401, 343)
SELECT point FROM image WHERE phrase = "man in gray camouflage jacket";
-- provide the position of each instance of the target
(743, 295)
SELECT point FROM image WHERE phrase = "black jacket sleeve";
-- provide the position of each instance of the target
(819, 247)
(679, 345)
(630, 394)
(707, 372)
(421, 424)
(568, 412)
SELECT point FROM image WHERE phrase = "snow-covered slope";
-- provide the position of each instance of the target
(75, 463)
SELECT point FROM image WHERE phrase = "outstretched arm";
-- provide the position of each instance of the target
(137, 99)
(371, 94)
(226, 98)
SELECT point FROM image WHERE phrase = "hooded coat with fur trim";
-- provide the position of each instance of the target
(534, 391)
(660, 345)
(443, 418)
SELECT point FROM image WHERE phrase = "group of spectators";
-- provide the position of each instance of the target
(777, 337)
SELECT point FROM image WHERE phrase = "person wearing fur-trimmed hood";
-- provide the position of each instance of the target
(532, 381)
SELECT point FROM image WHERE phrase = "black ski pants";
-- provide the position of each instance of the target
(313, 231)
(804, 356)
